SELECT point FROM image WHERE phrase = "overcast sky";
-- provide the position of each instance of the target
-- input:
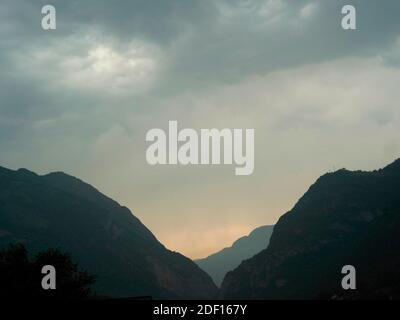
(80, 99)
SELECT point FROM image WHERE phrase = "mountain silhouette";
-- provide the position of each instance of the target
(219, 263)
(59, 211)
(345, 218)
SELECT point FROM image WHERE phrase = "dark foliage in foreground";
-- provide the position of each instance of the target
(21, 277)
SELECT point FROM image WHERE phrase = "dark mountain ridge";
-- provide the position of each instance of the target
(219, 263)
(345, 218)
(59, 211)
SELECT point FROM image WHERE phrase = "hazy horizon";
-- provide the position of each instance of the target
(81, 98)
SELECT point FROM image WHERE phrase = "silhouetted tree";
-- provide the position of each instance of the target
(21, 277)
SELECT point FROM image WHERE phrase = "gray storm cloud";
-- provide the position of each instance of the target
(80, 99)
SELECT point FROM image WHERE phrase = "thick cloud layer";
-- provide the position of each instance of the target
(81, 98)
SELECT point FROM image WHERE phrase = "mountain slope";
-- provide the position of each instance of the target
(57, 210)
(218, 264)
(344, 218)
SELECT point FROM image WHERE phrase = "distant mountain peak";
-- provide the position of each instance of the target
(26, 172)
(59, 174)
(219, 263)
